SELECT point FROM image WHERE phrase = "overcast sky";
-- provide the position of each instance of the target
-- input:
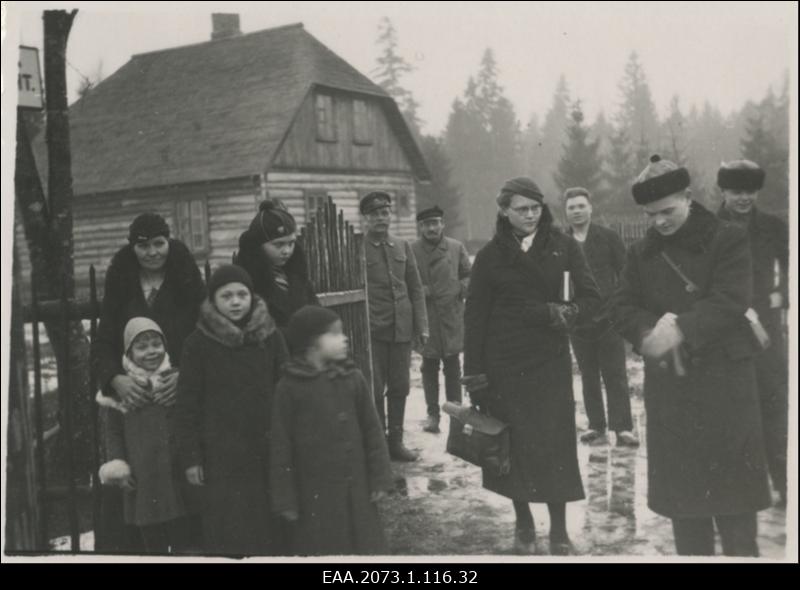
(724, 52)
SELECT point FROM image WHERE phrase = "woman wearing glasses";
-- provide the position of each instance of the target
(529, 285)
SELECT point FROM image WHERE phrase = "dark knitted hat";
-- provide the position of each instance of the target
(748, 180)
(524, 186)
(655, 184)
(272, 221)
(430, 213)
(146, 227)
(374, 200)
(307, 323)
(228, 273)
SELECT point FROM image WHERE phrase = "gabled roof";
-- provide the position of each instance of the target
(213, 110)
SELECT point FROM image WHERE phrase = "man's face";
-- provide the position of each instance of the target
(739, 201)
(667, 215)
(432, 228)
(578, 211)
(378, 220)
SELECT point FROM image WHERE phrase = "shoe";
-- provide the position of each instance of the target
(625, 438)
(596, 437)
(525, 541)
(432, 425)
(399, 452)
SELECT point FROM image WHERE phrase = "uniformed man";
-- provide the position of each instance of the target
(396, 315)
(444, 268)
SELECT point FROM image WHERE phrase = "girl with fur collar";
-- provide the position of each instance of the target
(229, 368)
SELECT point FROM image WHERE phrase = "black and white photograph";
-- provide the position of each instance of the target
(399, 282)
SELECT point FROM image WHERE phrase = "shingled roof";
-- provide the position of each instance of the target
(213, 110)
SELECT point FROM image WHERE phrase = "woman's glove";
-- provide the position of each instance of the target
(117, 473)
(665, 336)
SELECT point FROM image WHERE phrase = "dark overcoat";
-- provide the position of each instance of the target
(222, 421)
(444, 270)
(328, 454)
(705, 451)
(509, 338)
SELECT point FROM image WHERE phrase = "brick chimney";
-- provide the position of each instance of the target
(224, 26)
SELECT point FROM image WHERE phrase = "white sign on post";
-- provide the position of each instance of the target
(29, 79)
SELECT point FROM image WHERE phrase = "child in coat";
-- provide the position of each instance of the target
(141, 448)
(229, 368)
(330, 463)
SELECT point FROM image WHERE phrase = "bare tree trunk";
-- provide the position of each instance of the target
(48, 231)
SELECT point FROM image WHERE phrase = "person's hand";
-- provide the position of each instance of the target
(423, 339)
(129, 391)
(775, 300)
(377, 496)
(167, 393)
(562, 315)
(290, 515)
(195, 475)
(105, 401)
(665, 336)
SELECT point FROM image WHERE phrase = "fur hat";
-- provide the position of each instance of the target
(741, 175)
(661, 178)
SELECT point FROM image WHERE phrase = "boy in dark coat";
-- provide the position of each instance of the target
(681, 303)
(330, 463)
(230, 366)
(740, 182)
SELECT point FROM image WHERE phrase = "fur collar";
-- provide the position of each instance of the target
(299, 367)
(756, 220)
(217, 327)
(695, 235)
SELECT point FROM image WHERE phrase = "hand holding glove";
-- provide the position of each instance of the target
(666, 335)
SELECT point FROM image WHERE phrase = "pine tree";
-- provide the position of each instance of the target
(441, 190)
(532, 148)
(638, 112)
(580, 164)
(762, 146)
(392, 68)
(619, 170)
(674, 133)
(553, 130)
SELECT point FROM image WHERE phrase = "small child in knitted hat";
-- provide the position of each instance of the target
(330, 462)
(142, 457)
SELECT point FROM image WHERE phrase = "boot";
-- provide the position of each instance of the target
(432, 424)
(396, 414)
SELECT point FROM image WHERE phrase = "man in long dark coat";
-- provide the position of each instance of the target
(740, 182)
(681, 303)
(444, 268)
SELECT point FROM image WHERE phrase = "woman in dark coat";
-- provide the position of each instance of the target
(681, 303)
(156, 277)
(229, 371)
(269, 252)
(517, 358)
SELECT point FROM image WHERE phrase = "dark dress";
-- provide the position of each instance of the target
(222, 421)
(705, 454)
(328, 455)
(508, 338)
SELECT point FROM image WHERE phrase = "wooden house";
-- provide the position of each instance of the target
(202, 133)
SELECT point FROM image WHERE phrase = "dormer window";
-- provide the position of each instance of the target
(326, 120)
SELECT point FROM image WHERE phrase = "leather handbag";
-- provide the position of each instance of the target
(478, 439)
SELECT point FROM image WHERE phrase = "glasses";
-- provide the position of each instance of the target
(527, 209)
